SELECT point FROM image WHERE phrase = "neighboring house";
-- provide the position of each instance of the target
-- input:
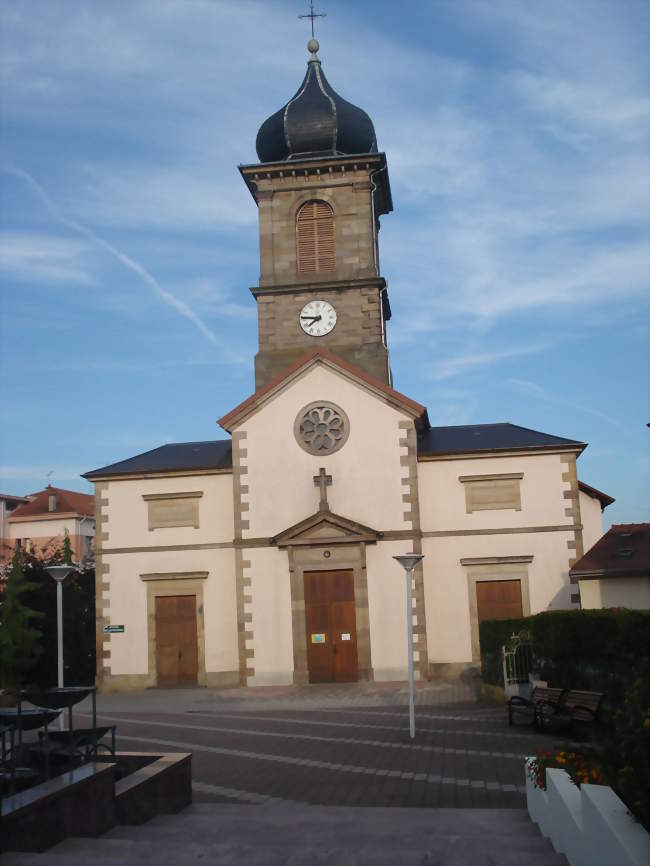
(45, 517)
(616, 571)
(592, 505)
(8, 504)
(267, 557)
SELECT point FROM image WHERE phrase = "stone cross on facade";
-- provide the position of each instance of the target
(323, 480)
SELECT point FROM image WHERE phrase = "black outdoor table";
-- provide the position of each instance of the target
(66, 698)
(24, 720)
(57, 699)
(27, 720)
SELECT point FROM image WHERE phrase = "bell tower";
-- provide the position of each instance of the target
(320, 187)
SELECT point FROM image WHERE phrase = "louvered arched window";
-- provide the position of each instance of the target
(315, 238)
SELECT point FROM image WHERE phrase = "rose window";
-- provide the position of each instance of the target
(321, 428)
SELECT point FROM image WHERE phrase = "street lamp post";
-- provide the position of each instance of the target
(59, 573)
(408, 561)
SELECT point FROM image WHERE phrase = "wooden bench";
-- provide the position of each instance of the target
(578, 710)
(527, 708)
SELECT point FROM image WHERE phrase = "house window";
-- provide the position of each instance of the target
(173, 509)
(51, 503)
(315, 238)
(89, 545)
(28, 545)
(492, 492)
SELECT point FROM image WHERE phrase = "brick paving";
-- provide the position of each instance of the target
(331, 745)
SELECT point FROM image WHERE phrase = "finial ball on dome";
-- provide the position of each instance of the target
(313, 46)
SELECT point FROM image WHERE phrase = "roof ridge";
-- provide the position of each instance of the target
(541, 433)
(467, 426)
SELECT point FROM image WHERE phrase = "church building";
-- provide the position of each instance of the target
(266, 556)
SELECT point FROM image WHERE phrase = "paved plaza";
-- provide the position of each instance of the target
(344, 745)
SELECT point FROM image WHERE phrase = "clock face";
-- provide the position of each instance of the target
(317, 318)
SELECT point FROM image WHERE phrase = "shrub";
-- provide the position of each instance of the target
(590, 649)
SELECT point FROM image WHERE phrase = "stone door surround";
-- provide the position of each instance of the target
(341, 556)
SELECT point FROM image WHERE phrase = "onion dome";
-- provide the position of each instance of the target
(315, 122)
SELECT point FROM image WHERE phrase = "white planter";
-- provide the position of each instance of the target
(589, 825)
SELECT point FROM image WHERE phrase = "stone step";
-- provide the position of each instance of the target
(319, 832)
(282, 835)
(238, 855)
(423, 813)
(487, 822)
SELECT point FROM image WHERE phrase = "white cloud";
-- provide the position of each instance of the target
(539, 393)
(451, 367)
(44, 258)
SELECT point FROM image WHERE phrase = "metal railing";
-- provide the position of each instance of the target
(518, 660)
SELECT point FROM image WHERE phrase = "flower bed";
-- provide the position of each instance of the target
(582, 769)
(589, 824)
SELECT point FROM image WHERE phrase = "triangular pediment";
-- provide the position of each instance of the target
(325, 527)
(325, 358)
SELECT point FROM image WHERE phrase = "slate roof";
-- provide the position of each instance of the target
(67, 502)
(472, 438)
(624, 551)
(173, 457)
(316, 120)
(217, 454)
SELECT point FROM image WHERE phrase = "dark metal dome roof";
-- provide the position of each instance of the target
(315, 122)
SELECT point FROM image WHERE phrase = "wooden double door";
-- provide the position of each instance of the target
(177, 657)
(498, 599)
(331, 626)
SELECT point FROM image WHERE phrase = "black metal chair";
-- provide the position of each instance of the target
(72, 744)
(18, 720)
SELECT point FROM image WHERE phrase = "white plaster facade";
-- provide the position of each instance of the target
(236, 540)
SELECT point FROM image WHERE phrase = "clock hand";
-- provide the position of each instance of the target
(312, 318)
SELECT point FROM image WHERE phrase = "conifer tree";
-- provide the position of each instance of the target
(67, 549)
(19, 639)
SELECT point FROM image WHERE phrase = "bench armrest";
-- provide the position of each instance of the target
(552, 704)
(582, 709)
(517, 700)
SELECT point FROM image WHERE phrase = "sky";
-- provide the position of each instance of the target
(517, 254)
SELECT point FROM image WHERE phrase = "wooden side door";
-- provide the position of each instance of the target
(498, 599)
(177, 656)
(331, 626)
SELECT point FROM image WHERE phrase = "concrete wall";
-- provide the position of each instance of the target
(128, 606)
(442, 495)
(447, 587)
(366, 472)
(592, 519)
(631, 592)
(129, 549)
(367, 488)
(47, 531)
(127, 522)
(541, 530)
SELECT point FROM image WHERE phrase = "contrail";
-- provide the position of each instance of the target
(127, 261)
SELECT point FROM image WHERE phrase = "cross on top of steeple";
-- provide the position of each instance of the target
(313, 15)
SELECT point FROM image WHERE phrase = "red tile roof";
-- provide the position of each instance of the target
(304, 361)
(67, 502)
(624, 551)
